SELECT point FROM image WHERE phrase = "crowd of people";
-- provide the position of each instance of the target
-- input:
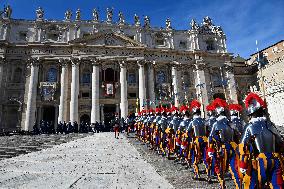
(47, 127)
(252, 152)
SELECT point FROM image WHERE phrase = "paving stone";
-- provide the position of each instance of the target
(97, 161)
(176, 174)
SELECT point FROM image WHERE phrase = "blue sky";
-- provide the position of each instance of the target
(243, 21)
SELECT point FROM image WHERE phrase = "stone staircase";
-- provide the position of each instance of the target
(11, 146)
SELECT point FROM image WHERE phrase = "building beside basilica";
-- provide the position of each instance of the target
(85, 70)
(270, 79)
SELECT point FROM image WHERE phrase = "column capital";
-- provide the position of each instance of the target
(141, 63)
(95, 62)
(122, 64)
(75, 61)
(63, 62)
(199, 66)
(34, 61)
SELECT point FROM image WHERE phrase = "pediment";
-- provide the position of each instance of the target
(107, 39)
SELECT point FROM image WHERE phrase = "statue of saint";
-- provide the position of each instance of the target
(109, 14)
(68, 15)
(121, 18)
(168, 24)
(78, 15)
(146, 21)
(39, 13)
(136, 20)
(194, 25)
(207, 21)
(7, 12)
(95, 15)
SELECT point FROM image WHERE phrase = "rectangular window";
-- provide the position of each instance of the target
(160, 42)
(182, 44)
(132, 95)
(85, 95)
(53, 36)
(131, 78)
(23, 36)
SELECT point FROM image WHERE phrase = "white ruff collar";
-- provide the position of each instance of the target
(221, 117)
(233, 117)
(196, 116)
(256, 119)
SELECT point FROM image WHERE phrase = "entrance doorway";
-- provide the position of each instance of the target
(85, 118)
(48, 114)
(109, 114)
(219, 95)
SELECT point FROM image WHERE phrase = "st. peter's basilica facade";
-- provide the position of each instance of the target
(85, 70)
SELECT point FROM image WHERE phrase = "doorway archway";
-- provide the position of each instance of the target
(85, 118)
(219, 95)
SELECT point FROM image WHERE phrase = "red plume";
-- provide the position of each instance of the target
(183, 108)
(253, 96)
(194, 104)
(174, 109)
(236, 107)
(210, 107)
(157, 110)
(218, 102)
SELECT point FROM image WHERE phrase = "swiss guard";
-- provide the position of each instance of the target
(236, 122)
(260, 160)
(220, 138)
(211, 117)
(199, 138)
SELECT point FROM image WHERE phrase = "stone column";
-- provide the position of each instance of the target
(201, 85)
(231, 83)
(151, 84)
(123, 91)
(175, 84)
(95, 112)
(63, 91)
(2, 61)
(56, 119)
(102, 112)
(74, 91)
(142, 88)
(31, 96)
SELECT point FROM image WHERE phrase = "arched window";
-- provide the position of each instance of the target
(17, 78)
(210, 45)
(51, 75)
(86, 77)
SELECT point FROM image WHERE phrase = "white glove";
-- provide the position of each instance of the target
(210, 154)
(243, 171)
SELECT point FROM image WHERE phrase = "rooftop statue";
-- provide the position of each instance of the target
(194, 25)
(78, 14)
(121, 19)
(39, 13)
(136, 20)
(146, 21)
(109, 14)
(168, 24)
(7, 12)
(207, 21)
(68, 15)
(95, 15)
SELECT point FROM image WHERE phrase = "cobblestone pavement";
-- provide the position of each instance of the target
(96, 161)
(11, 146)
(175, 173)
